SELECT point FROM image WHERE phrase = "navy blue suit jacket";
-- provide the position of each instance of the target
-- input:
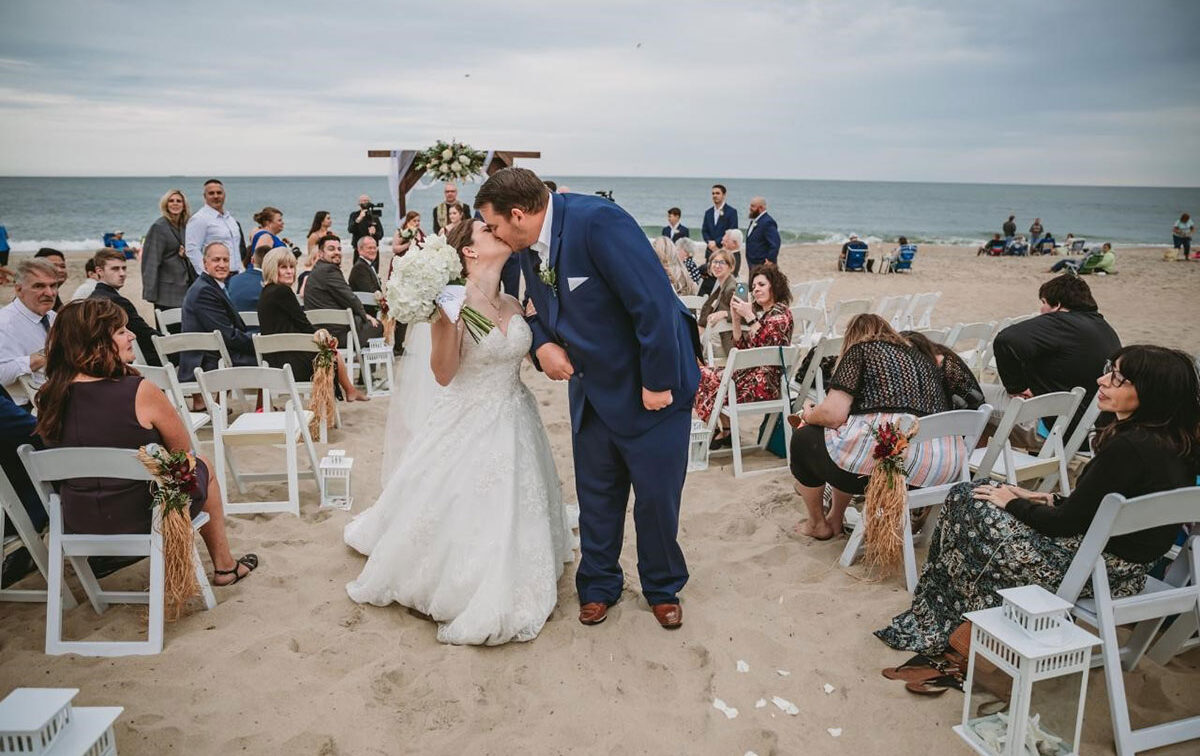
(763, 244)
(206, 308)
(615, 313)
(714, 229)
(681, 232)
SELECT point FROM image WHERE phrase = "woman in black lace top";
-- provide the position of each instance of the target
(962, 388)
(879, 371)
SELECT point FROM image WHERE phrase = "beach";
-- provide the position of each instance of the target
(286, 663)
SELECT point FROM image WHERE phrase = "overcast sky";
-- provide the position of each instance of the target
(1028, 91)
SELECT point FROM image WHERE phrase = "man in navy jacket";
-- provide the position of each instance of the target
(206, 308)
(674, 230)
(717, 220)
(762, 237)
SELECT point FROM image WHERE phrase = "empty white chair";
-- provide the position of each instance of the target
(972, 342)
(808, 325)
(1074, 443)
(843, 312)
(165, 318)
(802, 293)
(812, 384)
(1000, 462)
(53, 465)
(920, 310)
(1146, 611)
(988, 358)
(727, 405)
(819, 292)
(172, 344)
(165, 379)
(893, 309)
(291, 342)
(266, 428)
(965, 425)
(349, 351)
(11, 508)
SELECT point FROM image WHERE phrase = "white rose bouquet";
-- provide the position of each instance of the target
(430, 277)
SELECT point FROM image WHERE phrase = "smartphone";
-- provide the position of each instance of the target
(741, 292)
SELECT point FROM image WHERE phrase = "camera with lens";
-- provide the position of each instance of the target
(374, 208)
(606, 194)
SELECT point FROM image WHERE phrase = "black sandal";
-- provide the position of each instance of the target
(935, 686)
(250, 561)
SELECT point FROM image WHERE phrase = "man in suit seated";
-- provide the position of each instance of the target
(207, 308)
(327, 289)
(110, 270)
(762, 237)
(362, 273)
(674, 230)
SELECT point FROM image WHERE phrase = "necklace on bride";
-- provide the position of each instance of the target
(494, 303)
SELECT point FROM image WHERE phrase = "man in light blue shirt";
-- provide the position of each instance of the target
(212, 224)
(24, 324)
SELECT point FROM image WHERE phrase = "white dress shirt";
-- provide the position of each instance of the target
(84, 290)
(207, 225)
(542, 245)
(21, 334)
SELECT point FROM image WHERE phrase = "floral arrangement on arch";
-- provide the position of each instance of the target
(886, 495)
(450, 161)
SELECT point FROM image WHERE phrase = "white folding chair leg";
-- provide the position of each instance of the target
(736, 437)
(1110, 652)
(910, 553)
(854, 545)
(37, 551)
(206, 591)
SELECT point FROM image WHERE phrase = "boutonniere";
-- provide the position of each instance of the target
(548, 276)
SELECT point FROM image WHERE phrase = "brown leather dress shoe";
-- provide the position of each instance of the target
(670, 616)
(593, 613)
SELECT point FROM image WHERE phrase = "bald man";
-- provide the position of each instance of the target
(762, 236)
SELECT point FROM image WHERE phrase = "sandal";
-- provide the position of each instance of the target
(915, 668)
(934, 686)
(250, 561)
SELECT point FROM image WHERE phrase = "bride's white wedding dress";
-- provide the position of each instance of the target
(471, 528)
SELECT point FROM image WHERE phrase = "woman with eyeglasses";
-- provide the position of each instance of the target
(715, 309)
(991, 537)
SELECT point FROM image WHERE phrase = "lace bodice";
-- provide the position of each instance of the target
(491, 367)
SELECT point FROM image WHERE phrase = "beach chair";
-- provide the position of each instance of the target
(812, 384)
(55, 465)
(168, 382)
(843, 311)
(808, 325)
(1078, 247)
(27, 536)
(903, 262)
(920, 310)
(727, 404)
(1090, 262)
(266, 428)
(1146, 611)
(892, 308)
(167, 318)
(1000, 462)
(193, 341)
(856, 258)
(966, 425)
(108, 238)
(350, 352)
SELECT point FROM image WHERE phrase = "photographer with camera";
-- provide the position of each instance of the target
(365, 221)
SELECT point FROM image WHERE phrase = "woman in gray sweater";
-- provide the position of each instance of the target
(166, 271)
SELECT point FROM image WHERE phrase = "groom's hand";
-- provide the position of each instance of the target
(655, 400)
(555, 362)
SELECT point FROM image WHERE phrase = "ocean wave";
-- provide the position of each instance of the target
(63, 245)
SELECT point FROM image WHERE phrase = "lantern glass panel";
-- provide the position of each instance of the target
(1054, 707)
(988, 704)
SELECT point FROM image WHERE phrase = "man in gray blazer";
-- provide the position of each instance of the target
(327, 289)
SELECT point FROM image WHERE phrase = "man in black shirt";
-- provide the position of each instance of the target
(110, 272)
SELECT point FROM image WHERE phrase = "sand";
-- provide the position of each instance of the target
(287, 664)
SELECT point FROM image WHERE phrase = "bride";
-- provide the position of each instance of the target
(470, 529)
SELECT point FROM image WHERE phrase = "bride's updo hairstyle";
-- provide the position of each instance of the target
(460, 235)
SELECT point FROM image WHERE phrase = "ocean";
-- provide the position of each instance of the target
(73, 213)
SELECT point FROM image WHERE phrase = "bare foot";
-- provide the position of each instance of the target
(358, 396)
(835, 524)
(820, 531)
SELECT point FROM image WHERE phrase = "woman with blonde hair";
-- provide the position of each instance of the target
(681, 281)
(715, 309)
(166, 271)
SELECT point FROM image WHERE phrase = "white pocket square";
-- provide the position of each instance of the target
(576, 282)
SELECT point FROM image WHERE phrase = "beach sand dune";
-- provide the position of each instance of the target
(286, 663)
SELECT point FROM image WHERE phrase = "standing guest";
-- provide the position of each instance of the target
(85, 289)
(408, 234)
(441, 213)
(717, 220)
(243, 289)
(207, 308)
(455, 215)
(362, 274)
(677, 274)
(715, 309)
(674, 230)
(24, 324)
(93, 398)
(364, 222)
(212, 224)
(59, 261)
(765, 322)
(166, 271)
(327, 289)
(280, 312)
(321, 223)
(993, 537)
(1036, 232)
(270, 226)
(762, 237)
(110, 267)
(1010, 228)
(1181, 235)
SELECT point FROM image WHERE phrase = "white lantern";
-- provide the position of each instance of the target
(1027, 676)
(698, 448)
(335, 480)
(377, 367)
(36, 721)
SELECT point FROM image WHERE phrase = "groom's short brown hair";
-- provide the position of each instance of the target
(512, 187)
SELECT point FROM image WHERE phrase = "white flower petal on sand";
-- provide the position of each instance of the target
(783, 672)
(760, 703)
(834, 731)
(742, 666)
(724, 708)
(829, 688)
(750, 753)
(785, 705)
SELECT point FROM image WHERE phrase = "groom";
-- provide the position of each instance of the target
(609, 322)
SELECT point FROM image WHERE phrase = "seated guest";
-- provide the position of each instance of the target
(244, 288)
(1063, 347)
(715, 309)
(110, 267)
(888, 261)
(878, 373)
(24, 323)
(1046, 245)
(674, 230)
(362, 273)
(677, 274)
(993, 537)
(327, 289)
(17, 429)
(732, 242)
(992, 248)
(764, 322)
(280, 312)
(119, 244)
(93, 398)
(854, 243)
(1101, 261)
(206, 308)
(962, 389)
(85, 289)
(1017, 247)
(59, 261)
(684, 249)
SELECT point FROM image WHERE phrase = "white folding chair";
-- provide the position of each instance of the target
(250, 318)
(972, 342)
(349, 352)
(966, 425)
(168, 382)
(1074, 444)
(292, 342)
(843, 312)
(936, 335)
(1000, 462)
(193, 341)
(367, 298)
(266, 428)
(920, 310)
(727, 404)
(808, 325)
(12, 509)
(1146, 611)
(711, 336)
(987, 361)
(812, 384)
(893, 309)
(53, 465)
(802, 293)
(165, 318)
(820, 290)
(693, 302)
